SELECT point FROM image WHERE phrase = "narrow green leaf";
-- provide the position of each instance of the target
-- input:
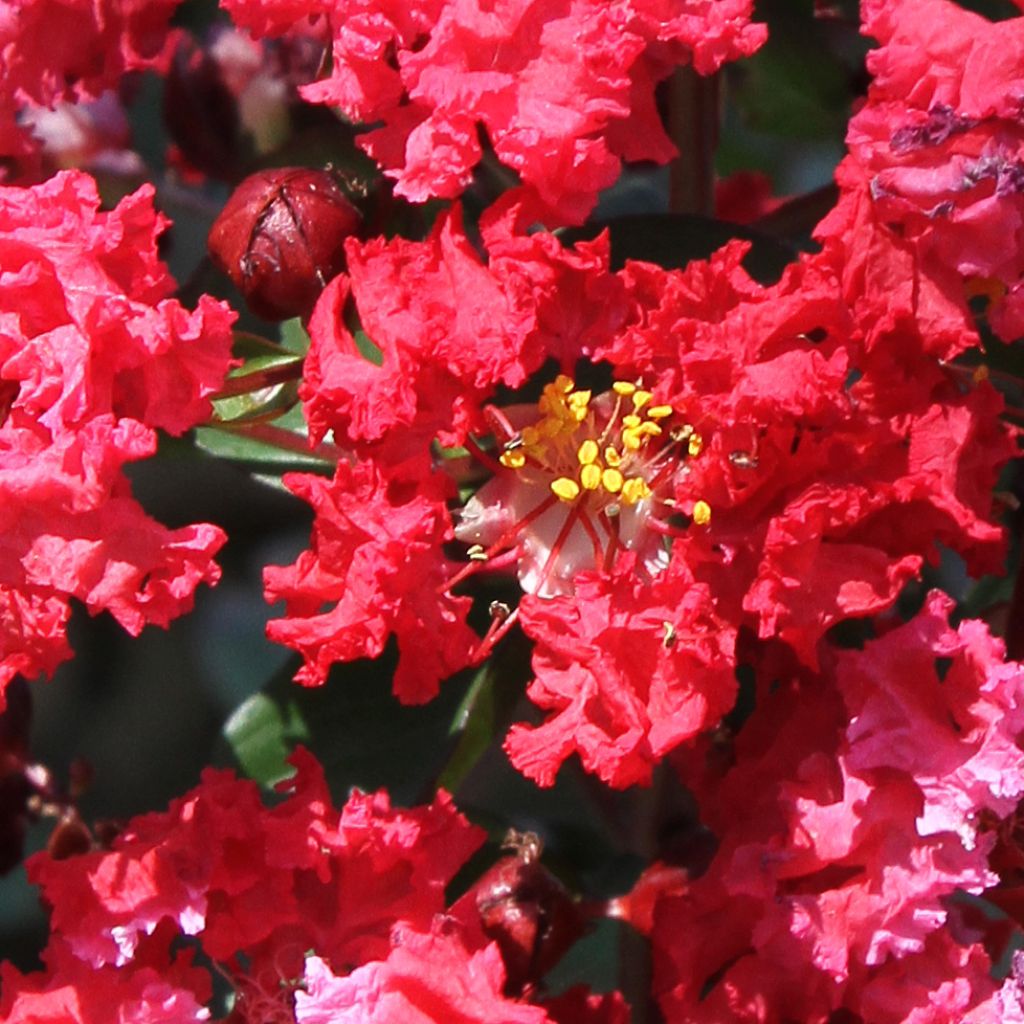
(475, 725)
(264, 404)
(238, 446)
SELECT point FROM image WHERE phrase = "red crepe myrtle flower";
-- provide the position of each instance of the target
(934, 181)
(563, 92)
(424, 976)
(744, 458)
(851, 813)
(71, 991)
(94, 357)
(309, 912)
(57, 50)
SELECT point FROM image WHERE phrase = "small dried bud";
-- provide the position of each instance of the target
(70, 837)
(16, 788)
(200, 112)
(281, 237)
(527, 912)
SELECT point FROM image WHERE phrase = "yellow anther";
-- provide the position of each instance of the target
(565, 489)
(590, 477)
(670, 637)
(563, 384)
(631, 420)
(640, 399)
(635, 489)
(612, 481)
(513, 460)
(578, 398)
(634, 437)
(701, 513)
(659, 412)
(612, 457)
(588, 452)
(695, 444)
(623, 387)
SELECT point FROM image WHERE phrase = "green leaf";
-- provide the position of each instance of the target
(262, 732)
(475, 725)
(261, 405)
(294, 337)
(258, 454)
(362, 735)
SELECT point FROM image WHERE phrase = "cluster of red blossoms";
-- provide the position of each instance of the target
(664, 480)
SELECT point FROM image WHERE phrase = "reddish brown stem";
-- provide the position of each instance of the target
(259, 379)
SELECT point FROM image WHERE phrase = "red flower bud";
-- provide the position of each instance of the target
(281, 239)
(527, 912)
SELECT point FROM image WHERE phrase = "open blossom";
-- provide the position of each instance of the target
(933, 187)
(852, 812)
(66, 50)
(94, 358)
(562, 92)
(714, 454)
(311, 914)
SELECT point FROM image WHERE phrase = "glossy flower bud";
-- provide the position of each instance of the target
(528, 912)
(281, 238)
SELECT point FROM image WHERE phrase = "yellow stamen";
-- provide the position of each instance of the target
(513, 460)
(612, 481)
(631, 420)
(565, 489)
(695, 445)
(588, 452)
(701, 513)
(640, 399)
(623, 387)
(635, 489)
(612, 457)
(659, 412)
(590, 477)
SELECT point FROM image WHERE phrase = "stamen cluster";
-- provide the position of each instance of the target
(609, 463)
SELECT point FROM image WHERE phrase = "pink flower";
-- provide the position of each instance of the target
(242, 877)
(742, 453)
(564, 92)
(851, 814)
(57, 50)
(309, 912)
(626, 670)
(71, 991)
(376, 561)
(94, 357)
(934, 177)
(428, 978)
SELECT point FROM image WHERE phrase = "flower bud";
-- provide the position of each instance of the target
(281, 237)
(527, 912)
